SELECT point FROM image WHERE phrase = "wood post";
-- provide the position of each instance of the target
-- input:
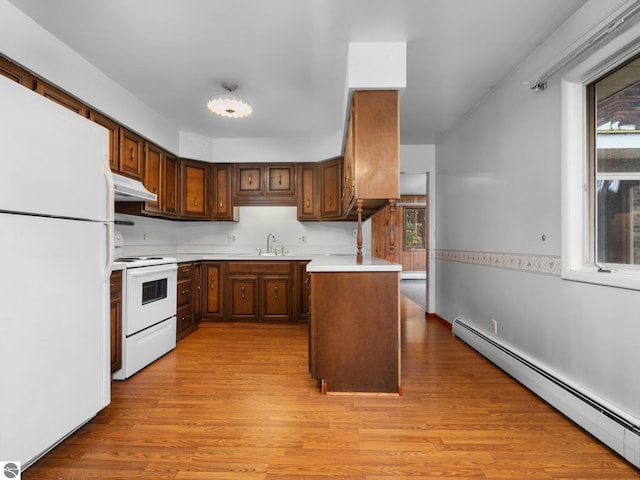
(359, 203)
(391, 255)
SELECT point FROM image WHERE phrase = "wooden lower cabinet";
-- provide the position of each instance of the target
(243, 297)
(186, 321)
(116, 320)
(212, 291)
(346, 309)
(276, 298)
(259, 291)
(253, 291)
(302, 291)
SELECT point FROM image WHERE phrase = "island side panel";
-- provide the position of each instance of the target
(355, 340)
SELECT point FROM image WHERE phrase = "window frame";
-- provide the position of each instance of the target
(578, 198)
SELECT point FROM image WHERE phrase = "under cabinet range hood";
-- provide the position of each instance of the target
(129, 190)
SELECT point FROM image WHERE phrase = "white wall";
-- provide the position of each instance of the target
(499, 190)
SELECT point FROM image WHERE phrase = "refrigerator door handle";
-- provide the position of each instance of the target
(110, 217)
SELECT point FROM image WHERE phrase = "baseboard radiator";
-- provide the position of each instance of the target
(613, 428)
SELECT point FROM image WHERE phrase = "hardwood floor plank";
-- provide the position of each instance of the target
(236, 401)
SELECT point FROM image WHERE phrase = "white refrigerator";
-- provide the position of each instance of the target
(56, 223)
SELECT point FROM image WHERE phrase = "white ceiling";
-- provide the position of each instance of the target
(289, 57)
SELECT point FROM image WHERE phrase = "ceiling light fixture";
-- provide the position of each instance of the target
(229, 105)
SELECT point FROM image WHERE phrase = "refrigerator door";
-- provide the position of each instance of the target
(54, 161)
(54, 332)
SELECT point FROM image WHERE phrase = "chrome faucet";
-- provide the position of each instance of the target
(269, 237)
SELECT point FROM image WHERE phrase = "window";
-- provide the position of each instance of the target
(600, 118)
(613, 110)
(414, 220)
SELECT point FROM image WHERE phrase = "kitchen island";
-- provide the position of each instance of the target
(354, 332)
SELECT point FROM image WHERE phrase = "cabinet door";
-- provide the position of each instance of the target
(302, 291)
(276, 299)
(116, 321)
(281, 180)
(243, 301)
(196, 301)
(331, 189)
(249, 180)
(193, 187)
(153, 169)
(223, 207)
(16, 73)
(114, 137)
(131, 154)
(307, 201)
(61, 98)
(348, 167)
(170, 186)
(214, 293)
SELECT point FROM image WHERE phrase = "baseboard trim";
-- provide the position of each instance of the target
(439, 319)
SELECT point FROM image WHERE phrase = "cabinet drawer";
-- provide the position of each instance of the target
(185, 271)
(184, 318)
(184, 293)
(282, 267)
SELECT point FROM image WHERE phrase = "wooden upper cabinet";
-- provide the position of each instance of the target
(372, 148)
(131, 154)
(331, 205)
(265, 184)
(61, 98)
(281, 181)
(348, 167)
(16, 73)
(153, 176)
(308, 192)
(223, 208)
(114, 137)
(170, 186)
(194, 186)
(249, 180)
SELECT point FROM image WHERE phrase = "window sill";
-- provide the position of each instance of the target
(616, 278)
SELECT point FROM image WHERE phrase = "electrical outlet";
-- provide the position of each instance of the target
(494, 326)
(232, 238)
(354, 233)
(302, 238)
(144, 235)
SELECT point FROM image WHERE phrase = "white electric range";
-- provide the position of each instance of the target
(148, 311)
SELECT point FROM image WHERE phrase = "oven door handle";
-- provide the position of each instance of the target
(152, 270)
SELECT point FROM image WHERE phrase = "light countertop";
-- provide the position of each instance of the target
(349, 263)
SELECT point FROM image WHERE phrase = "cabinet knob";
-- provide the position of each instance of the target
(280, 180)
(308, 202)
(133, 157)
(212, 284)
(242, 288)
(250, 180)
(275, 293)
(195, 201)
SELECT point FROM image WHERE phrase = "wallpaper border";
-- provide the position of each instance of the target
(542, 264)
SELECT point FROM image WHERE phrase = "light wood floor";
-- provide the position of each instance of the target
(235, 401)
